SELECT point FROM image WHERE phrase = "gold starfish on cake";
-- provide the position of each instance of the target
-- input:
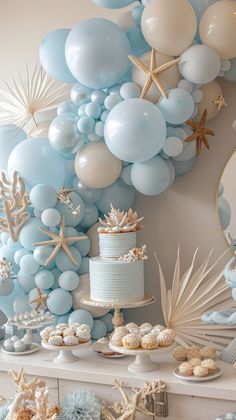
(40, 300)
(60, 241)
(220, 102)
(199, 133)
(152, 72)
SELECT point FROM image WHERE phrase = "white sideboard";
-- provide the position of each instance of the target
(187, 401)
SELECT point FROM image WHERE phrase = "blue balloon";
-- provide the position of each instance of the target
(64, 136)
(231, 74)
(56, 274)
(80, 94)
(69, 280)
(43, 196)
(82, 317)
(37, 163)
(178, 107)
(97, 53)
(224, 212)
(181, 167)
(13, 246)
(137, 42)
(21, 304)
(113, 4)
(70, 219)
(28, 264)
(44, 279)
(84, 245)
(66, 107)
(6, 304)
(99, 329)
(129, 90)
(90, 216)
(19, 254)
(135, 130)
(126, 174)
(6, 287)
(31, 234)
(200, 6)
(62, 319)
(107, 319)
(89, 195)
(10, 136)
(119, 194)
(26, 281)
(59, 302)
(41, 255)
(84, 267)
(52, 55)
(151, 177)
(64, 263)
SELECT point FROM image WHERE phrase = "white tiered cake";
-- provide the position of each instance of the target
(117, 275)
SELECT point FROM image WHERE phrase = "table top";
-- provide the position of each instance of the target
(93, 369)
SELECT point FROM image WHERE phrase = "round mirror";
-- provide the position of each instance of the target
(226, 201)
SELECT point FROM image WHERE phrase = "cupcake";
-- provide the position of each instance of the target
(84, 327)
(165, 338)
(83, 334)
(131, 341)
(117, 338)
(193, 352)
(146, 327)
(157, 329)
(180, 354)
(14, 338)
(200, 371)
(122, 329)
(8, 345)
(63, 326)
(71, 340)
(131, 326)
(55, 340)
(195, 362)
(210, 365)
(149, 342)
(68, 331)
(186, 369)
(208, 352)
(27, 341)
(56, 332)
(19, 346)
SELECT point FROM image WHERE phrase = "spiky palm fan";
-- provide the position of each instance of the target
(26, 96)
(190, 296)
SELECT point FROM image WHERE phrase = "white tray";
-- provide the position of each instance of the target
(34, 347)
(193, 378)
(142, 362)
(65, 352)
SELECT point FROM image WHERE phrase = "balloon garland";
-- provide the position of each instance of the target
(143, 92)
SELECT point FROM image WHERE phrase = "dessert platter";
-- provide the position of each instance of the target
(102, 349)
(142, 342)
(65, 338)
(16, 346)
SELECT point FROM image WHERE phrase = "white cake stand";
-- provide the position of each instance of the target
(142, 362)
(65, 352)
(118, 318)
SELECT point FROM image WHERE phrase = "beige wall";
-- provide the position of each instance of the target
(185, 214)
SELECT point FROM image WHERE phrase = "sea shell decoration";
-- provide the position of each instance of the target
(135, 254)
(5, 269)
(120, 222)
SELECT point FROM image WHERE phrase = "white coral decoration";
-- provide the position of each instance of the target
(190, 296)
(119, 221)
(135, 254)
(5, 269)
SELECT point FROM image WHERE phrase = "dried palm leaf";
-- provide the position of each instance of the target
(192, 295)
(27, 96)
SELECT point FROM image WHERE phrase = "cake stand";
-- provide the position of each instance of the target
(65, 352)
(142, 362)
(118, 319)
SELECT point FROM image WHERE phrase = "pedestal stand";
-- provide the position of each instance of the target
(65, 354)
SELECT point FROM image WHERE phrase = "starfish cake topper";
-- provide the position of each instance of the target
(153, 72)
(40, 300)
(199, 133)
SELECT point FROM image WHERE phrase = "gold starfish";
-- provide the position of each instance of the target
(152, 72)
(220, 102)
(39, 300)
(60, 242)
(199, 133)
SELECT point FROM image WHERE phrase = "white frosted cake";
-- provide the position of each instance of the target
(117, 275)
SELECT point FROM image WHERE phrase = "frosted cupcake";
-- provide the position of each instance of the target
(157, 329)
(165, 338)
(68, 331)
(200, 371)
(186, 369)
(210, 365)
(8, 345)
(131, 326)
(55, 340)
(195, 362)
(180, 354)
(149, 342)
(83, 334)
(71, 340)
(19, 346)
(122, 329)
(146, 327)
(208, 352)
(117, 338)
(131, 341)
(193, 352)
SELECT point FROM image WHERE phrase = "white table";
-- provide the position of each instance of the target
(187, 401)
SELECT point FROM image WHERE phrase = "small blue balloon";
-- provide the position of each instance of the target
(62, 319)
(84, 267)
(229, 75)
(151, 177)
(10, 136)
(80, 94)
(37, 163)
(66, 107)
(21, 304)
(135, 130)
(52, 55)
(86, 125)
(97, 53)
(82, 317)
(107, 319)
(19, 254)
(42, 253)
(89, 195)
(69, 280)
(178, 107)
(119, 194)
(4, 237)
(224, 212)
(126, 175)
(104, 116)
(13, 246)
(112, 100)
(59, 302)
(44, 279)
(43, 196)
(64, 136)
(56, 274)
(99, 329)
(26, 281)
(51, 217)
(113, 4)
(64, 263)
(90, 216)
(98, 96)
(84, 245)
(28, 264)
(181, 167)
(31, 234)
(129, 90)
(99, 128)
(70, 219)
(93, 109)
(6, 287)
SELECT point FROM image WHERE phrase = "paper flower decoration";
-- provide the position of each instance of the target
(80, 405)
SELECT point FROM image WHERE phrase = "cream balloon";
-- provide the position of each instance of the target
(218, 28)
(211, 92)
(84, 290)
(96, 166)
(169, 26)
(92, 233)
(169, 78)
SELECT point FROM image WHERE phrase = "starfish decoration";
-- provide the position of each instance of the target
(64, 198)
(40, 300)
(199, 133)
(152, 72)
(60, 241)
(220, 102)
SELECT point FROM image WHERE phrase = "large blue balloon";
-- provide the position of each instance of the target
(10, 136)
(231, 74)
(135, 130)
(37, 163)
(151, 177)
(6, 304)
(97, 53)
(113, 4)
(52, 55)
(119, 194)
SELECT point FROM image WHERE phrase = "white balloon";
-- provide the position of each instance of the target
(84, 290)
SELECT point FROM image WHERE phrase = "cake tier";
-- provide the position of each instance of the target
(117, 244)
(114, 280)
